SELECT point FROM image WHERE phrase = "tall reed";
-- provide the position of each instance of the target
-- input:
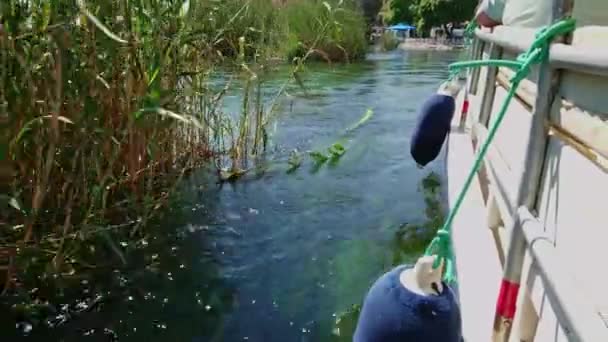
(344, 38)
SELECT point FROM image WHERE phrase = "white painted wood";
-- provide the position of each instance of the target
(584, 59)
(530, 78)
(474, 105)
(548, 328)
(589, 13)
(493, 217)
(501, 186)
(586, 91)
(572, 207)
(495, 52)
(590, 128)
(575, 309)
(510, 144)
(526, 92)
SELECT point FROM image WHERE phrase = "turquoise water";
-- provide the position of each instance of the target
(277, 256)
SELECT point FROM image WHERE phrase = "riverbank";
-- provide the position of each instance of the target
(430, 44)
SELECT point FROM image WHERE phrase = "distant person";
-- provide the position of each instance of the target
(519, 13)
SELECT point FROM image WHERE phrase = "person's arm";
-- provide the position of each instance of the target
(485, 20)
(489, 13)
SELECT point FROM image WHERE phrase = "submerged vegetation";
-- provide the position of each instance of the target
(108, 104)
(412, 238)
(410, 241)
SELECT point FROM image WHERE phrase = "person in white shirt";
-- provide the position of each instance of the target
(520, 13)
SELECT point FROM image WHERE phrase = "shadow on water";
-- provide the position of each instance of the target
(172, 280)
(280, 256)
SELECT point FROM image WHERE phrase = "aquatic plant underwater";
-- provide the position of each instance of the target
(410, 241)
(333, 153)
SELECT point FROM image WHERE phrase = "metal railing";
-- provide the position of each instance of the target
(561, 56)
(525, 232)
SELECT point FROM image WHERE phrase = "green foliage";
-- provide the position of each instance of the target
(403, 11)
(334, 29)
(334, 153)
(428, 13)
(339, 24)
(337, 149)
(431, 183)
(345, 324)
(294, 162)
(411, 239)
(365, 118)
(318, 157)
(257, 22)
(371, 8)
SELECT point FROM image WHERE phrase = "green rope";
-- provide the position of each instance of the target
(469, 31)
(537, 53)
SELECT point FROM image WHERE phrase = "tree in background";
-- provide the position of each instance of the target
(426, 14)
(403, 11)
(371, 8)
(431, 13)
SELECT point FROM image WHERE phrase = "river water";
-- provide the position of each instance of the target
(278, 256)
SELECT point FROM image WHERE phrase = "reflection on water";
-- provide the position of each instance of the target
(277, 256)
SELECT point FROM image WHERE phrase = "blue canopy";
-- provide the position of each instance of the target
(401, 27)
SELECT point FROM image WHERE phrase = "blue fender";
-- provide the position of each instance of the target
(432, 128)
(392, 313)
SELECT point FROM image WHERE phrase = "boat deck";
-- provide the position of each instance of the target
(477, 263)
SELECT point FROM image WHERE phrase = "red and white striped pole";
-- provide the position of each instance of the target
(506, 303)
(465, 109)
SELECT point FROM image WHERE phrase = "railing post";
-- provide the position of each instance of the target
(487, 100)
(476, 53)
(526, 195)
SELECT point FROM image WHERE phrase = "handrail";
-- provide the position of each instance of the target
(588, 61)
(561, 56)
(574, 311)
(506, 41)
